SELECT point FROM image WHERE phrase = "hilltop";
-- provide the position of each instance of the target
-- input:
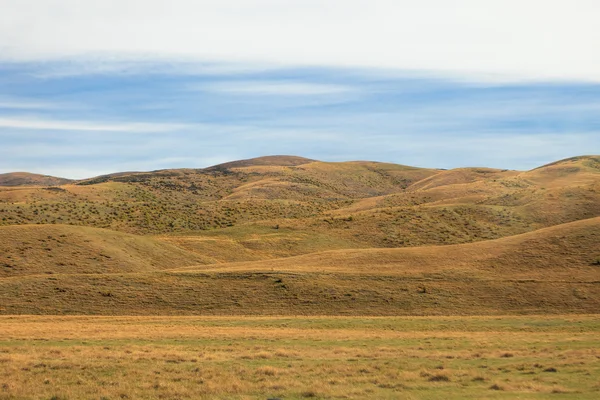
(281, 161)
(364, 204)
(28, 179)
(301, 235)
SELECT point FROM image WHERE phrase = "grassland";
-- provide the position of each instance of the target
(365, 204)
(63, 249)
(287, 235)
(283, 277)
(296, 357)
(138, 276)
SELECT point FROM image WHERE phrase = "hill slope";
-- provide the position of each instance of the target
(62, 249)
(27, 179)
(363, 204)
(550, 271)
(281, 235)
(567, 252)
(281, 161)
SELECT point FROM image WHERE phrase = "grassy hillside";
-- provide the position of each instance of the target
(27, 179)
(281, 235)
(274, 293)
(258, 242)
(554, 270)
(363, 204)
(563, 252)
(61, 249)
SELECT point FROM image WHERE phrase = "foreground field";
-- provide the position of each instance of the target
(44, 357)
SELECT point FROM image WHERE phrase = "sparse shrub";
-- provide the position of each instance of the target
(266, 370)
(495, 386)
(438, 378)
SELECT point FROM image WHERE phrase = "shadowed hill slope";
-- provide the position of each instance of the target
(27, 179)
(281, 161)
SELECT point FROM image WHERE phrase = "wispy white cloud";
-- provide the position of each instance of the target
(275, 88)
(534, 39)
(145, 115)
(147, 64)
(93, 126)
(24, 104)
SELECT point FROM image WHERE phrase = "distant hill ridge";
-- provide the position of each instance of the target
(29, 179)
(281, 161)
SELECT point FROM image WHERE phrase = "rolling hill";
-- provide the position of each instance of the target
(285, 234)
(562, 252)
(27, 179)
(553, 270)
(63, 249)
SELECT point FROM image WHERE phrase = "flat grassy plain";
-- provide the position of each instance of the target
(533, 357)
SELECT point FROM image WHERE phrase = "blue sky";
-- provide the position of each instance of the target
(89, 104)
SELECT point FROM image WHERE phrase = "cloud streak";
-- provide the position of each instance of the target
(275, 88)
(86, 126)
(534, 39)
(24, 104)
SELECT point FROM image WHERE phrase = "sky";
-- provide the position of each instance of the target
(89, 87)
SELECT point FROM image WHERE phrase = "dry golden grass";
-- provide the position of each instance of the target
(63, 249)
(276, 293)
(295, 358)
(566, 252)
(554, 270)
(365, 204)
(258, 242)
(290, 236)
(228, 235)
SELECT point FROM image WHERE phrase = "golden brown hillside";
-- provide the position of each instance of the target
(567, 252)
(27, 179)
(554, 270)
(280, 235)
(369, 204)
(62, 249)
